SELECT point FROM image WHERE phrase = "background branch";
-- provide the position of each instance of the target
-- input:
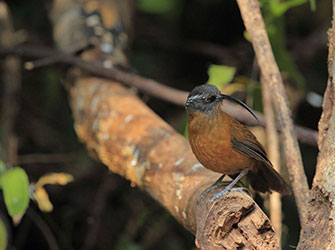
(44, 228)
(274, 156)
(46, 158)
(149, 86)
(11, 67)
(253, 21)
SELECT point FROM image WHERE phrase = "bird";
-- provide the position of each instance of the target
(224, 145)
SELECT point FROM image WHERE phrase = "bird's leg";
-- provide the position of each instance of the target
(218, 182)
(231, 185)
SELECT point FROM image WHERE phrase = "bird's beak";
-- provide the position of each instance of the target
(230, 98)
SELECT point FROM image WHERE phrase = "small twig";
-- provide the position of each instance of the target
(274, 156)
(149, 86)
(30, 65)
(44, 228)
(99, 205)
(253, 21)
(305, 135)
(12, 84)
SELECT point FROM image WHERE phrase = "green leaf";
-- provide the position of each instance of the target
(220, 75)
(279, 8)
(3, 235)
(313, 5)
(15, 187)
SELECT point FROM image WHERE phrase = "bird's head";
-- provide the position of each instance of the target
(205, 98)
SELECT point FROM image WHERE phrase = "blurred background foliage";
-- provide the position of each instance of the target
(180, 43)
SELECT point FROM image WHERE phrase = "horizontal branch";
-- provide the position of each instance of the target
(125, 135)
(149, 86)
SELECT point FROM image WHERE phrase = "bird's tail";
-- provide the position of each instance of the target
(267, 179)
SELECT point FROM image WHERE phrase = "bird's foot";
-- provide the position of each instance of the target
(201, 196)
(231, 185)
(219, 194)
(217, 183)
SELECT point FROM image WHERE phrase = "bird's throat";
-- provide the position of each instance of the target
(201, 122)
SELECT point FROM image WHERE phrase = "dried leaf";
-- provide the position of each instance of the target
(54, 178)
(42, 199)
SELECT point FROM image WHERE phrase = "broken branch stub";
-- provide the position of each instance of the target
(233, 222)
(132, 141)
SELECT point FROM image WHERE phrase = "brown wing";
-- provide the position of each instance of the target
(264, 178)
(245, 142)
(252, 150)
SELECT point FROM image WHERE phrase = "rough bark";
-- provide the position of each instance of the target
(319, 231)
(235, 222)
(134, 142)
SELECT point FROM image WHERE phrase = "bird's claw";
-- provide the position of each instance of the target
(201, 196)
(219, 194)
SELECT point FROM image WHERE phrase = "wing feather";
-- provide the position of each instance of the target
(251, 149)
(265, 178)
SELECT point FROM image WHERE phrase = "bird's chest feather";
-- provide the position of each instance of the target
(210, 140)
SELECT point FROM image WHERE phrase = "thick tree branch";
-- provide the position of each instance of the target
(134, 142)
(253, 21)
(319, 230)
(149, 86)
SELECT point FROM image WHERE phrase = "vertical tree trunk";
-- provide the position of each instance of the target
(318, 233)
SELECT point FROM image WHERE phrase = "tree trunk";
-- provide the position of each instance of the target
(319, 231)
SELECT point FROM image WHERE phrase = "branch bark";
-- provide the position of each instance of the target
(318, 232)
(253, 21)
(134, 142)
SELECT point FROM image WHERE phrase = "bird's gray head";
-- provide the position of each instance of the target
(205, 98)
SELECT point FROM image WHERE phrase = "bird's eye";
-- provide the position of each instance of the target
(210, 99)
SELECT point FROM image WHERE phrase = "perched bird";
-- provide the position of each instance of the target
(224, 145)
